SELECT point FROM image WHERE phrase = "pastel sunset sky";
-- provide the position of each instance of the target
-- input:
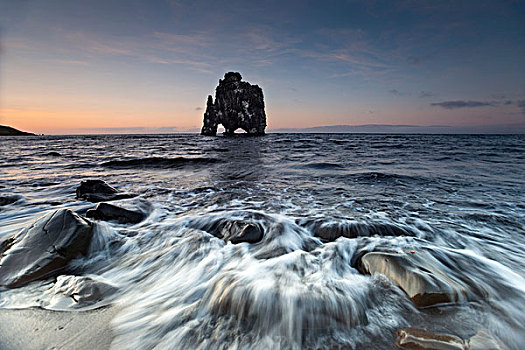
(109, 66)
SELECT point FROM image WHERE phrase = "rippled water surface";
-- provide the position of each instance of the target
(461, 197)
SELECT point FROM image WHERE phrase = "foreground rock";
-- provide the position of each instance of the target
(82, 291)
(110, 212)
(233, 230)
(45, 248)
(419, 274)
(238, 105)
(419, 339)
(99, 191)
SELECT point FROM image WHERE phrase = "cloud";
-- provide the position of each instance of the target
(424, 94)
(395, 92)
(198, 108)
(464, 104)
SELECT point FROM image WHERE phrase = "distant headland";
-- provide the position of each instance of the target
(9, 131)
(238, 105)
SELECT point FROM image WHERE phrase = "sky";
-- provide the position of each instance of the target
(91, 66)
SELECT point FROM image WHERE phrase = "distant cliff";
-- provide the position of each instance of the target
(238, 105)
(9, 131)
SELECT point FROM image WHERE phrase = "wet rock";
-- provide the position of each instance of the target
(110, 212)
(82, 290)
(484, 341)
(52, 154)
(418, 339)
(419, 274)
(45, 248)
(99, 191)
(328, 230)
(6, 200)
(238, 232)
(6, 244)
(238, 105)
(235, 231)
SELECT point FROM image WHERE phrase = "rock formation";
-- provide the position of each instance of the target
(99, 191)
(44, 248)
(422, 277)
(9, 131)
(238, 105)
(110, 212)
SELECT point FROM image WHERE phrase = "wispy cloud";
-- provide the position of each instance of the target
(395, 92)
(464, 104)
(424, 94)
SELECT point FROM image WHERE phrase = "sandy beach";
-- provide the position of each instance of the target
(42, 329)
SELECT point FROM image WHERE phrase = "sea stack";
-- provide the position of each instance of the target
(238, 105)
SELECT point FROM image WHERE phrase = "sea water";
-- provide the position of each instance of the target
(179, 287)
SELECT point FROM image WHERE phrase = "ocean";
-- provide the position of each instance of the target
(322, 201)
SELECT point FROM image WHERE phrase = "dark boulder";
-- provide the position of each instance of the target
(238, 105)
(423, 278)
(6, 200)
(99, 191)
(239, 232)
(53, 154)
(233, 230)
(110, 212)
(44, 248)
(6, 244)
(328, 230)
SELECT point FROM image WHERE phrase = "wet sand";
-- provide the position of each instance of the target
(42, 329)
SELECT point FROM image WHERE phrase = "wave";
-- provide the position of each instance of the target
(323, 166)
(159, 162)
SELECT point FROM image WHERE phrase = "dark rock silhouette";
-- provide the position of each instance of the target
(238, 105)
(6, 200)
(44, 248)
(99, 191)
(9, 131)
(110, 212)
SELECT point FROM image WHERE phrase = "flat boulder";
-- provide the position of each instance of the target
(110, 212)
(99, 191)
(419, 339)
(44, 248)
(82, 290)
(423, 278)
